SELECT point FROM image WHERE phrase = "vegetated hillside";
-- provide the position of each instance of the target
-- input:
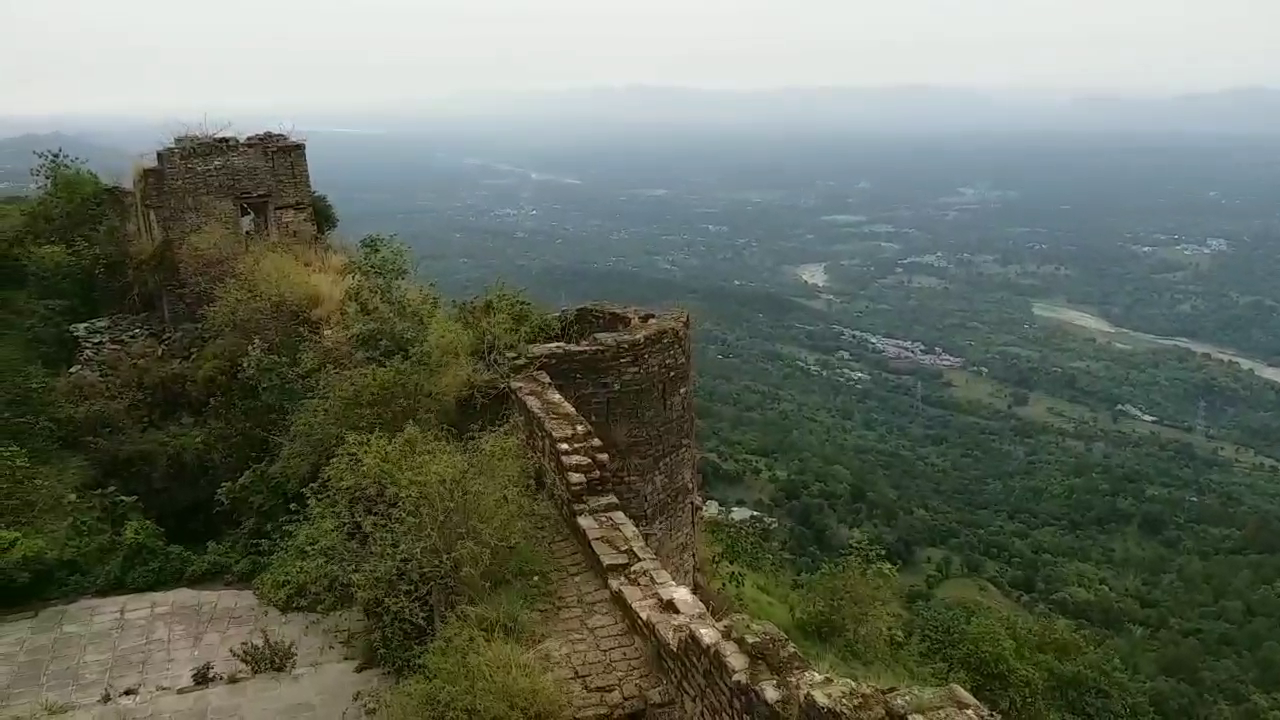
(306, 420)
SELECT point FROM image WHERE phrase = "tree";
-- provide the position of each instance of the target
(853, 603)
(406, 528)
(326, 216)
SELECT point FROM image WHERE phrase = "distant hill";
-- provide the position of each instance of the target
(1239, 110)
(891, 109)
(17, 157)
(574, 115)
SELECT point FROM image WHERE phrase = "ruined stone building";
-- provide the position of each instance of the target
(259, 185)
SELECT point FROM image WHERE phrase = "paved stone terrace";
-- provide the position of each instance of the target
(141, 649)
(591, 648)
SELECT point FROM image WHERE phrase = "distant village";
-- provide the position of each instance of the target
(1210, 246)
(713, 509)
(902, 350)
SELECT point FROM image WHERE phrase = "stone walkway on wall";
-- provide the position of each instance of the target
(140, 650)
(591, 648)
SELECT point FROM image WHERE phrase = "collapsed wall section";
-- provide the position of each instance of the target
(717, 670)
(629, 374)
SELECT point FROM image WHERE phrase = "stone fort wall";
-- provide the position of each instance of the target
(259, 184)
(629, 373)
(622, 386)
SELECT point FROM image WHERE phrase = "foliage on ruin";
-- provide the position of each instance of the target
(470, 674)
(305, 414)
(326, 216)
(406, 528)
(268, 655)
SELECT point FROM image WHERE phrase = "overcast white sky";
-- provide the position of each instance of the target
(160, 56)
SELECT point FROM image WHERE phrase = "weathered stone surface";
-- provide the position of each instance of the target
(142, 648)
(942, 703)
(591, 648)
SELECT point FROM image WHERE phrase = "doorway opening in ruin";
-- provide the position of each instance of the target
(255, 216)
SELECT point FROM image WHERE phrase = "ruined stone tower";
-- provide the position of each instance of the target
(257, 186)
(629, 373)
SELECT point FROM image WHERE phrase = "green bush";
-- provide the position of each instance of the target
(85, 555)
(1022, 665)
(24, 560)
(469, 675)
(326, 217)
(272, 655)
(406, 528)
(853, 604)
(145, 560)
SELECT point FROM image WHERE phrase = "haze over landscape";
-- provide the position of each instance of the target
(986, 332)
(145, 58)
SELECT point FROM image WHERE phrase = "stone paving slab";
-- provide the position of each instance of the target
(591, 649)
(147, 642)
(325, 692)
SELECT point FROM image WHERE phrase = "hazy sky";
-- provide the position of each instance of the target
(165, 56)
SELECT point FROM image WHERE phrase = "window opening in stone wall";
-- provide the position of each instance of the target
(255, 216)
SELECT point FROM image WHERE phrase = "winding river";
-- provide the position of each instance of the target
(1097, 324)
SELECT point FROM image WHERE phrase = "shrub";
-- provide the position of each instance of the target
(33, 494)
(503, 320)
(71, 541)
(407, 527)
(270, 655)
(468, 675)
(145, 560)
(204, 674)
(393, 354)
(853, 604)
(326, 217)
